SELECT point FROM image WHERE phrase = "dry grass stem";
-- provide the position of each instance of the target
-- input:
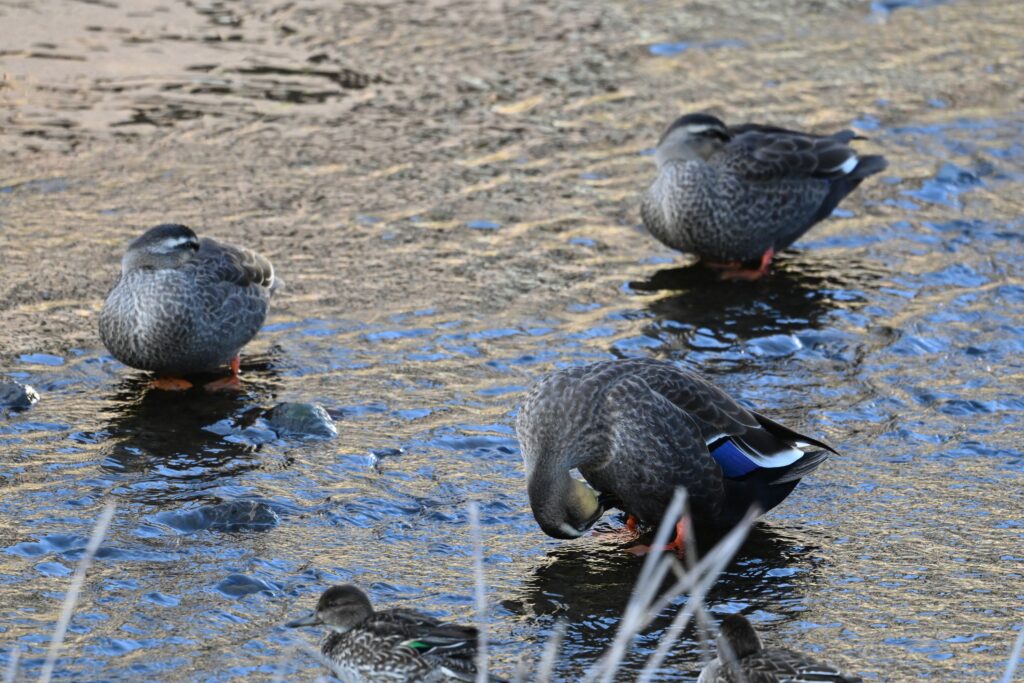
(99, 532)
(481, 592)
(550, 655)
(652, 573)
(1011, 665)
(11, 672)
(698, 581)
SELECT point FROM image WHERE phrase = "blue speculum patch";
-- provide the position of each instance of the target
(732, 460)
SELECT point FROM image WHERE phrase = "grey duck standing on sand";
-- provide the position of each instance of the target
(636, 430)
(367, 646)
(740, 648)
(185, 305)
(734, 195)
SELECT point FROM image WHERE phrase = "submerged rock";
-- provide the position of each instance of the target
(16, 396)
(303, 419)
(235, 515)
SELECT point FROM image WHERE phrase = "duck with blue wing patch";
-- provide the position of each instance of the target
(638, 429)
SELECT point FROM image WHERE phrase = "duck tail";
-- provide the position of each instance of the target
(845, 184)
(868, 165)
(815, 451)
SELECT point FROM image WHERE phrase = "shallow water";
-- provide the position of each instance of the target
(454, 218)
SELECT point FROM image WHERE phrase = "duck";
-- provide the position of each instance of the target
(370, 646)
(739, 644)
(737, 195)
(184, 305)
(638, 429)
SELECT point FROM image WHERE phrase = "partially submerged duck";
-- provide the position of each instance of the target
(742, 657)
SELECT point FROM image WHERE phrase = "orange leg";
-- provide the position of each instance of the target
(722, 265)
(232, 383)
(735, 269)
(170, 384)
(631, 530)
(677, 545)
(740, 273)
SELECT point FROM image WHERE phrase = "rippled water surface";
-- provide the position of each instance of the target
(450, 191)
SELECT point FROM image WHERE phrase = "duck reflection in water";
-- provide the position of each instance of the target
(589, 588)
(796, 297)
(198, 432)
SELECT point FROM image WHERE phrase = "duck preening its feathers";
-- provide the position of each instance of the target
(638, 429)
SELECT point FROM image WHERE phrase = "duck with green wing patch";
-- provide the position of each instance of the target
(370, 646)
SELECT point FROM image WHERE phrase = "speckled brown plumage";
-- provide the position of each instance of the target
(730, 194)
(637, 429)
(742, 658)
(386, 646)
(184, 305)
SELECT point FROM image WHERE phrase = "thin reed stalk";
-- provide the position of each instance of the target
(652, 573)
(1011, 665)
(480, 591)
(11, 672)
(644, 607)
(99, 532)
(550, 655)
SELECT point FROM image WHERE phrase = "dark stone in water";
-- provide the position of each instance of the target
(17, 396)
(304, 419)
(235, 515)
(240, 585)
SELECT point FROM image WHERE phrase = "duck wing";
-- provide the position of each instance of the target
(666, 427)
(766, 153)
(654, 446)
(787, 666)
(422, 633)
(740, 440)
(238, 265)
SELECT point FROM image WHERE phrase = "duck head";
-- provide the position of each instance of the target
(164, 246)
(339, 609)
(563, 506)
(691, 137)
(736, 632)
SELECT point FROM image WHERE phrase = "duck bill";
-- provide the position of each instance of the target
(308, 620)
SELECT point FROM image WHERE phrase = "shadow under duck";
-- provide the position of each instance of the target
(737, 195)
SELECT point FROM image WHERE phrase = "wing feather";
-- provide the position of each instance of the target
(239, 265)
(760, 152)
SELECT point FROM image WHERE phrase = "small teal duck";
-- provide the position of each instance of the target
(368, 646)
(185, 305)
(739, 644)
(636, 430)
(736, 195)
